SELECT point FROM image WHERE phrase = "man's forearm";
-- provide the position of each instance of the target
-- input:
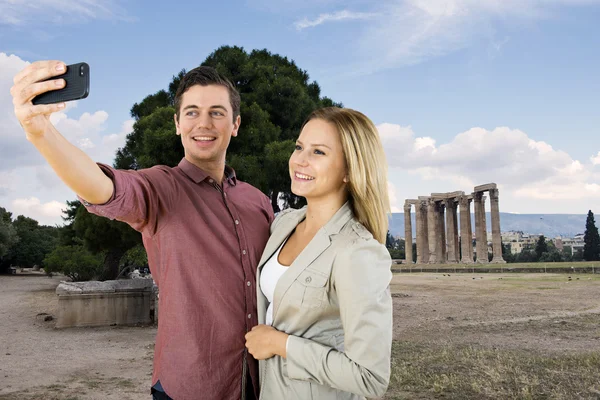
(74, 167)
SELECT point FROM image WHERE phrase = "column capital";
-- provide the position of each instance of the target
(452, 203)
(494, 194)
(478, 196)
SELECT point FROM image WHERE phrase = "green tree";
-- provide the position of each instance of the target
(5, 216)
(8, 238)
(76, 262)
(507, 254)
(136, 257)
(552, 256)
(276, 95)
(591, 239)
(35, 242)
(389, 240)
(526, 256)
(541, 247)
(110, 238)
(276, 98)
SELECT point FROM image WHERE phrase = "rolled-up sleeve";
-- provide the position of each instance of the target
(361, 279)
(138, 199)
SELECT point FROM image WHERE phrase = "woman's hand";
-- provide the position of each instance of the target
(264, 341)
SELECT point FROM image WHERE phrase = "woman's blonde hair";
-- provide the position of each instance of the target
(366, 164)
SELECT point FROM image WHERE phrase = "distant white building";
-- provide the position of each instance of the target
(575, 244)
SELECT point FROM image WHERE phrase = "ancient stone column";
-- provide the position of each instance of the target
(484, 233)
(433, 235)
(450, 225)
(465, 231)
(408, 234)
(455, 233)
(471, 254)
(441, 246)
(480, 228)
(422, 242)
(470, 226)
(496, 234)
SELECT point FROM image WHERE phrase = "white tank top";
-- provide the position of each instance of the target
(269, 276)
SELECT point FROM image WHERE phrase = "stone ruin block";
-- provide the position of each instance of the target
(120, 302)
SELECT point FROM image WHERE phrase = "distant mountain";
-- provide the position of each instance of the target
(549, 225)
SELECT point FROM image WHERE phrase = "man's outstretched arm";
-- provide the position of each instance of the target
(73, 166)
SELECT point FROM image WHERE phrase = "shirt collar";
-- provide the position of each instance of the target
(198, 175)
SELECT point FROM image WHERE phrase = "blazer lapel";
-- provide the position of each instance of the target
(283, 231)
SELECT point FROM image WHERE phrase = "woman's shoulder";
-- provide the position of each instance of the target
(355, 236)
(354, 231)
(284, 215)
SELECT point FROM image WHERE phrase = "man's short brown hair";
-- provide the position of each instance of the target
(205, 76)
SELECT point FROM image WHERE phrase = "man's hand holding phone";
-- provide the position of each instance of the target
(42, 88)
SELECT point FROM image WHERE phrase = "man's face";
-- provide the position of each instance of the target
(206, 123)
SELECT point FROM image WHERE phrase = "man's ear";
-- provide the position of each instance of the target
(236, 126)
(176, 124)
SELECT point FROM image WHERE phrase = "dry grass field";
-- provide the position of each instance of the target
(456, 336)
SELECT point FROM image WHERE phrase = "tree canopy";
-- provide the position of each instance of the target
(276, 97)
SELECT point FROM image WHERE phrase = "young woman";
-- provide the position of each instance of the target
(324, 305)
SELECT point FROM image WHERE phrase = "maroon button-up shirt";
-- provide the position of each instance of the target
(204, 243)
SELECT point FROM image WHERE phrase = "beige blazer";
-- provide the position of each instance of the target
(334, 302)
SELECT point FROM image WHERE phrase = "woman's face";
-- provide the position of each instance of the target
(318, 166)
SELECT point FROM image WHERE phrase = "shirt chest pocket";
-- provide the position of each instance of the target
(313, 287)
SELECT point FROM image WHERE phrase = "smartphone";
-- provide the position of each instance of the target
(77, 78)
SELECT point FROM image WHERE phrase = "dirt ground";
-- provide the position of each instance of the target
(40, 362)
(545, 312)
(539, 312)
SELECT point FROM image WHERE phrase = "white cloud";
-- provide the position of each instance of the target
(45, 213)
(337, 16)
(523, 167)
(117, 140)
(393, 198)
(24, 173)
(21, 12)
(407, 32)
(596, 159)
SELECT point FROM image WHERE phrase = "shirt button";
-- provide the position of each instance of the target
(210, 180)
(248, 283)
(249, 316)
(225, 194)
(244, 252)
(237, 222)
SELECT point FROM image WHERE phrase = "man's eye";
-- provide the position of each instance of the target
(191, 113)
(217, 113)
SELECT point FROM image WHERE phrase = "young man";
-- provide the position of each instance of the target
(204, 231)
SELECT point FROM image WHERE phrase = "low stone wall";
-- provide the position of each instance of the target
(121, 302)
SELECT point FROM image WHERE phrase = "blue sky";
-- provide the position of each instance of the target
(464, 92)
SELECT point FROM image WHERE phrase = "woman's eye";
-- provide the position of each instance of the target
(319, 152)
(298, 147)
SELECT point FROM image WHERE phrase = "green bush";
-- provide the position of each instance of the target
(75, 262)
(135, 257)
